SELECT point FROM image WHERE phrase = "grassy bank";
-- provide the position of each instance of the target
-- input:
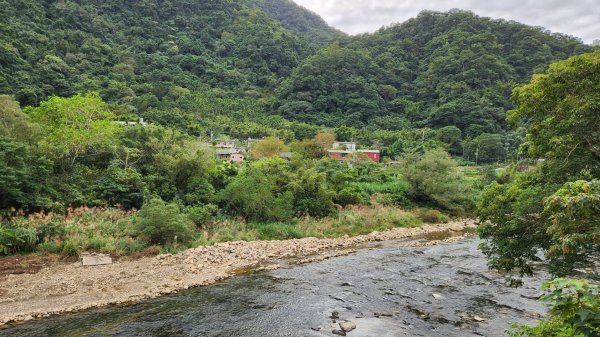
(119, 233)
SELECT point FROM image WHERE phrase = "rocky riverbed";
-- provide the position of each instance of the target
(405, 287)
(71, 287)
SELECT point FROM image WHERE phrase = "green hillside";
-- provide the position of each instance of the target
(299, 20)
(139, 53)
(435, 70)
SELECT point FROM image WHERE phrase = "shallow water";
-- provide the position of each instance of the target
(386, 290)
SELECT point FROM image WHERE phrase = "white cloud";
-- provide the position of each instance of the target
(580, 18)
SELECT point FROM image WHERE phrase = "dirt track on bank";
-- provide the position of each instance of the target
(71, 287)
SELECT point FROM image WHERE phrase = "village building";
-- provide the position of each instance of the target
(226, 149)
(127, 123)
(346, 151)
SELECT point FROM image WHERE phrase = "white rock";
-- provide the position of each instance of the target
(347, 326)
(438, 296)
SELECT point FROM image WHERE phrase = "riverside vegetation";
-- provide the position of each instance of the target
(432, 94)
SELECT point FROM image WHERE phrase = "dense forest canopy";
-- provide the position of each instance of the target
(299, 20)
(435, 70)
(143, 52)
(148, 58)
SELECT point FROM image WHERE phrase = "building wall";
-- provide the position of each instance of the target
(374, 156)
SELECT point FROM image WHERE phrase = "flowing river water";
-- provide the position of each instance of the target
(391, 289)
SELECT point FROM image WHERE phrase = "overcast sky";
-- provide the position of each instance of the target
(580, 18)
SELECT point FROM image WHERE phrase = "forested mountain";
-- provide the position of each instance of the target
(139, 53)
(203, 66)
(435, 70)
(299, 20)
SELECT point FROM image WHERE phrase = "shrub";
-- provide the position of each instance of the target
(17, 240)
(431, 215)
(349, 196)
(202, 215)
(277, 231)
(311, 197)
(574, 312)
(71, 248)
(162, 223)
(434, 181)
(251, 197)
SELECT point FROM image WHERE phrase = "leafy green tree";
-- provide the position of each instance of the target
(452, 136)
(561, 111)
(267, 147)
(435, 181)
(74, 127)
(548, 208)
(23, 176)
(163, 223)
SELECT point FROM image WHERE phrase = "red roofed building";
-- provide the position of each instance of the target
(347, 151)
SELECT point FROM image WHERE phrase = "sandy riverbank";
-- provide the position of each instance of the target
(72, 287)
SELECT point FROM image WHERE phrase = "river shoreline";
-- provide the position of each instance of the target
(71, 287)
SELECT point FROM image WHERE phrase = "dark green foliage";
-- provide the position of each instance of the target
(334, 87)
(349, 196)
(299, 20)
(310, 195)
(439, 69)
(574, 311)
(163, 223)
(553, 206)
(23, 176)
(140, 54)
(119, 186)
(251, 197)
(202, 215)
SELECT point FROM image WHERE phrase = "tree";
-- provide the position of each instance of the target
(562, 109)
(450, 135)
(434, 181)
(23, 176)
(548, 208)
(73, 127)
(13, 122)
(267, 147)
(163, 223)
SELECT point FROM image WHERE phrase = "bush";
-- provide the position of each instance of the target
(202, 215)
(574, 312)
(251, 196)
(349, 196)
(162, 223)
(311, 197)
(17, 240)
(431, 215)
(71, 248)
(434, 180)
(277, 231)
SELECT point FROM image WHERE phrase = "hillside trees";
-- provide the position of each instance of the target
(332, 88)
(436, 70)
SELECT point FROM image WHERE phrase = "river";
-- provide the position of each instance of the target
(389, 289)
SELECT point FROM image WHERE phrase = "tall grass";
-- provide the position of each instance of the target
(113, 230)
